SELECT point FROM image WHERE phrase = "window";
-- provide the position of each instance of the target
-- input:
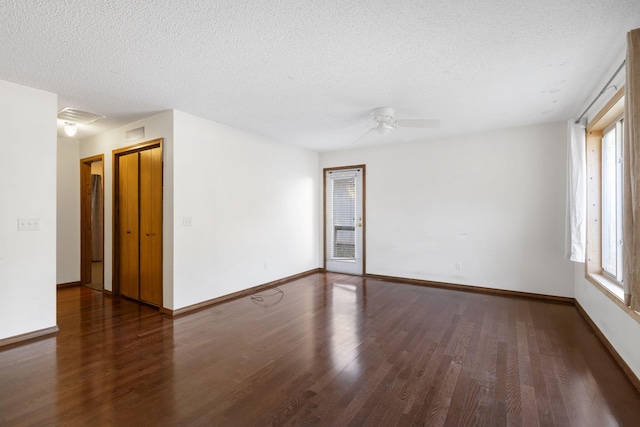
(612, 201)
(344, 216)
(604, 196)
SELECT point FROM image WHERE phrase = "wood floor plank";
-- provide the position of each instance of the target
(333, 350)
(499, 415)
(558, 409)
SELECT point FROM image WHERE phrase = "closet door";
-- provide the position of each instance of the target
(128, 257)
(151, 226)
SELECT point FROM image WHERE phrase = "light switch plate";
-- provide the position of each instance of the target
(28, 224)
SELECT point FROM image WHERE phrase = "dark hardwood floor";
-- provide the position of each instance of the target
(333, 350)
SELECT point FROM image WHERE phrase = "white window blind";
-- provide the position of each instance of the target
(344, 217)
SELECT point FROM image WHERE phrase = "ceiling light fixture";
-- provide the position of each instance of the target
(70, 128)
(384, 128)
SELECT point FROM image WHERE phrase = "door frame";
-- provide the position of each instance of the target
(154, 143)
(364, 213)
(85, 219)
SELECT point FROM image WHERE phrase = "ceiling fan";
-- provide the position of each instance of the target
(386, 123)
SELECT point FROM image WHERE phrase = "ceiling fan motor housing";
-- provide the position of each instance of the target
(383, 114)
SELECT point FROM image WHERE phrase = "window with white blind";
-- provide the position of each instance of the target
(344, 217)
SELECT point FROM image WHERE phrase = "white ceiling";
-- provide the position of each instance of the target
(308, 72)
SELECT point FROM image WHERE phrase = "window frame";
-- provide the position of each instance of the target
(610, 114)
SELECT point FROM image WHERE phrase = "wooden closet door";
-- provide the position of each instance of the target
(128, 256)
(151, 226)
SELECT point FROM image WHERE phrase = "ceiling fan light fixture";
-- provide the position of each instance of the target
(70, 128)
(386, 124)
(384, 128)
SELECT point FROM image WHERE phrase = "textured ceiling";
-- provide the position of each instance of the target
(308, 72)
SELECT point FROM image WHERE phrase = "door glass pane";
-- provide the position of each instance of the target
(344, 218)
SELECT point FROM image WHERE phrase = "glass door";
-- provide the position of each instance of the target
(344, 213)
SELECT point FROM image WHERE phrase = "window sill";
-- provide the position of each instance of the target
(613, 291)
(609, 285)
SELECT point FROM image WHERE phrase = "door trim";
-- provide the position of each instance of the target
(364, 214)
(147, 145)
(85, 219)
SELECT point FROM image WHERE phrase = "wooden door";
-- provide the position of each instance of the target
(91, 234)
(151, 226)
(128, 225)
(138, 228)
(85, 222)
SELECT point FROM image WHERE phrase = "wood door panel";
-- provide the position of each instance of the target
(138, 219)
(129, 225)
(85, 223)
(151, 226)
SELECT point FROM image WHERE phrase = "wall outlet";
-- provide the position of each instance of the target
(458, 265)
(186, 221)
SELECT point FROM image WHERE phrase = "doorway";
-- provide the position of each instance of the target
(344, 219)
(92, 222)
(137, 214)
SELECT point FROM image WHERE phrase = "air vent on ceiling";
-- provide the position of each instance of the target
(69, 114)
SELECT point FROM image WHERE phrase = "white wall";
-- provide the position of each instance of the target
(620, 329)
(27, 190)
(253, 205)
(495, 202)
(68, 211)
(157, 126)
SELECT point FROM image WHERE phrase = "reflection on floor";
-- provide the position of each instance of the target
(324, 350)
(96, 276)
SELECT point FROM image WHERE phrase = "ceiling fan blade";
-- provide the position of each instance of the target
(374, 137)
(418, 123)
(371, 133)
(347, 128)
